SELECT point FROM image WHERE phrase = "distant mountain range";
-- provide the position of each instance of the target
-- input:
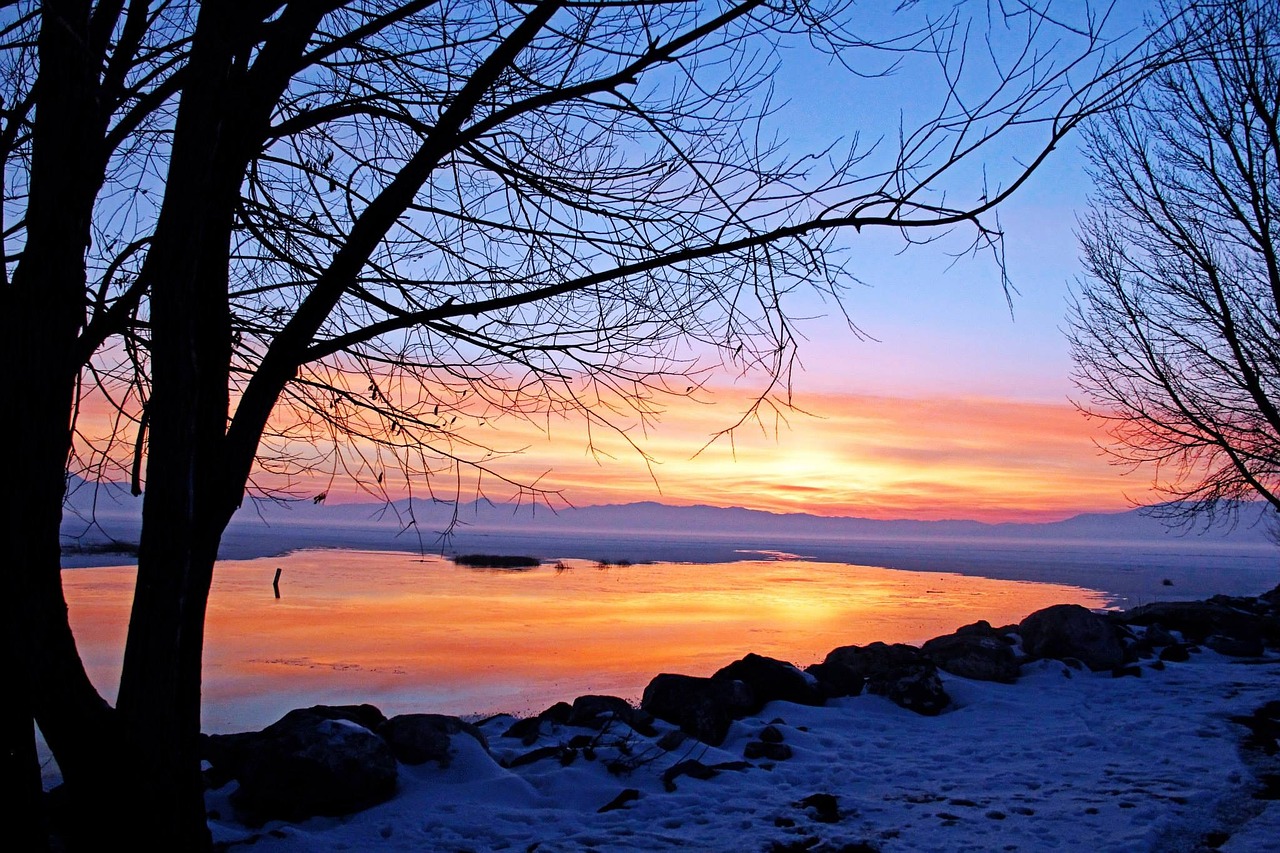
(1133, 555)
(652, 516)
(114, 508)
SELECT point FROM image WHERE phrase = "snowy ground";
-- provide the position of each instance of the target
(1062, 760)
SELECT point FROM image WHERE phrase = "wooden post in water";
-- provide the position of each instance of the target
(275, 584)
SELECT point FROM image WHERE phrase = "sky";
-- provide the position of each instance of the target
(958, 405)
(954, 402)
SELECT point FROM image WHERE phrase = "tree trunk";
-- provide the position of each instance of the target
(43, 311)
(184, 508)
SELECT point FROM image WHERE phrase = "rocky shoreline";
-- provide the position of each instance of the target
(336, 760)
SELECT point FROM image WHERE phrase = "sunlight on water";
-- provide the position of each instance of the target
(409, 634)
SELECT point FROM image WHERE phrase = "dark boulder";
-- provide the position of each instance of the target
(1069, 630)
(1264, 729)
(526, 730)
(419, 738)
(1198, 620)
(758, 749)
(362, 715)
(772, 680)
(695, 769)
(529, 729)
(701, 707)
(1262, 605)
(1235, 647)
(826, 807)
(836, 679)
(227, 753)
(1176, 653)
(874, 657)
(595, 712)
(310, 764)
(626, 795)
(899, 672)
(982, 628)
(915, 687)
(559, 713)
(1157, 636)
(974, 654)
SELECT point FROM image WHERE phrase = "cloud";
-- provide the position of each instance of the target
(883, 457)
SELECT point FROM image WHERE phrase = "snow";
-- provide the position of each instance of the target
(1062, 760)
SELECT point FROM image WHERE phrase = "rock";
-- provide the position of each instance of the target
(702, 707)
(974, 654)
(772, 680)
(695, 769)
(527, 731)
(899, 672)
(916, 688)
(1235, 647)
(836, 679)
(559, 713)
(626, 795)
(826, 808)
(1243, 619)
(227, 753)
(1176, 653)
(565, 755)
(1158, 636)
(224, 754)
(363, 715)
(1264, 728)
(692, 768)
(771, 734)
(419, 738)
(594, 712)
(1069, 630)
(672, 740)
(310, 764)
(769, 751)
(874, 657)
(1261, 605)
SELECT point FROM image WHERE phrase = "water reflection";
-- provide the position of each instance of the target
(424, 635)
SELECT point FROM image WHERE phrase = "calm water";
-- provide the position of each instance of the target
(414, 634)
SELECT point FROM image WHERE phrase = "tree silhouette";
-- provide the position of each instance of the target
(1176, 331)
(249, 225)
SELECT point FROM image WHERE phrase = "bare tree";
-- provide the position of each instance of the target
(1176, 331)
(250, 224)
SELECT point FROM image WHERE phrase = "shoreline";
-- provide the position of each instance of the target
(1152, 755)
(1130, 573)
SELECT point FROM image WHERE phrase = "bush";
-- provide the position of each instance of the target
(496, 561)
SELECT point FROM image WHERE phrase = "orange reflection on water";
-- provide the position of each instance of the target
(409, 634)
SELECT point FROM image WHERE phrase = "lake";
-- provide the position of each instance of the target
(409, 633)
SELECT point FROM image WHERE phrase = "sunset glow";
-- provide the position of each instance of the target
(876, 457)
(987, 459)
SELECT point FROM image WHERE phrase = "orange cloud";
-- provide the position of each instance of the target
(880, 457)
(872, 456)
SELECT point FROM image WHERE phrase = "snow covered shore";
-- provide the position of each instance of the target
(1064, 759)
